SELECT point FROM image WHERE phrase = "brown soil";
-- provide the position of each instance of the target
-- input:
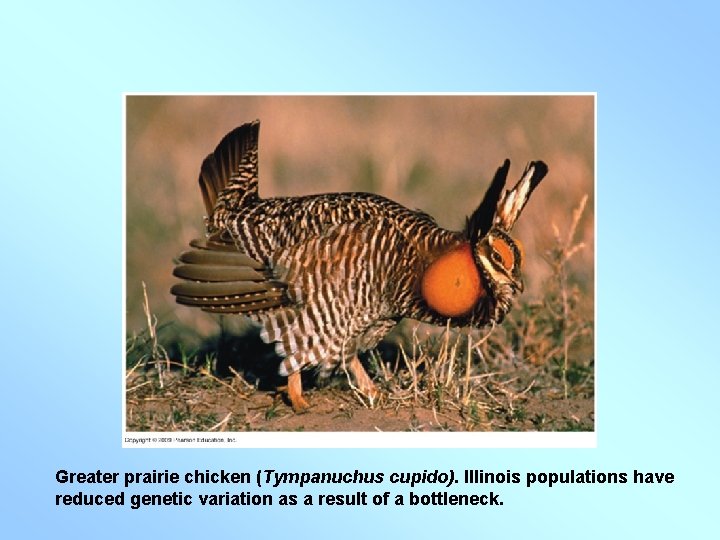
(205, 403)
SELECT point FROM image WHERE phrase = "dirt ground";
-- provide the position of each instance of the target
(200, 401)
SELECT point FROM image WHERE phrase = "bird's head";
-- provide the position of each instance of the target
(497, 255)
(498, 258)
(478, 280)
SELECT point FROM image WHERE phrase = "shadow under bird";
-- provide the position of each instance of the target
(328, 276)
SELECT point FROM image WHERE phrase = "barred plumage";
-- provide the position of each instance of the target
(327, 276)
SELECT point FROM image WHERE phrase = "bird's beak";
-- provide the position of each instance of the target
(519, 286)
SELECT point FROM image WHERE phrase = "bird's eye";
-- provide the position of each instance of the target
(496, 257)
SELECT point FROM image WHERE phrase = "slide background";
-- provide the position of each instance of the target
(64, 69)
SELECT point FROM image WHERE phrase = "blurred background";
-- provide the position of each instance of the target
(435, 153)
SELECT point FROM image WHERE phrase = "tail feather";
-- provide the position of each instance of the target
(234, 161)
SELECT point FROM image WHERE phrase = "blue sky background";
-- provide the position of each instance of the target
(64, 69)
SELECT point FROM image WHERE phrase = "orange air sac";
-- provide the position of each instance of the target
(451, 285)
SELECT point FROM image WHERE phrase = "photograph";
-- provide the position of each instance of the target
(359, 263)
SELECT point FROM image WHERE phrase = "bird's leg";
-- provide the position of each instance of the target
(294, 392)
(362, 379)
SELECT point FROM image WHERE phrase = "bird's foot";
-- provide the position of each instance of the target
(362, 379)
(294, 392)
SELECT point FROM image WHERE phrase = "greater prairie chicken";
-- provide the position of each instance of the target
(327, 276)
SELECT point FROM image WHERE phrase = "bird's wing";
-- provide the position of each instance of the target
(220, 279)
